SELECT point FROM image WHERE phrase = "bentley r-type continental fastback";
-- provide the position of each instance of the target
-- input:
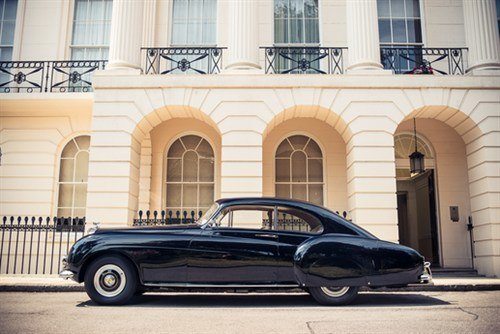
(244, 243)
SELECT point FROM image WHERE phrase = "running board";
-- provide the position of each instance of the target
(194, 285)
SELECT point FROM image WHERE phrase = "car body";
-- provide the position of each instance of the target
(334, 252)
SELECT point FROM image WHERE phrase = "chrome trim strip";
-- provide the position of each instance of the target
(194, 285)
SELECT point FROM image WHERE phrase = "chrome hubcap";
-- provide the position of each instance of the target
(109, 280)
(335, 291)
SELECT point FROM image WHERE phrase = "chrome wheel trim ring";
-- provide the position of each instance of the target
(110, 280)
(335, 291)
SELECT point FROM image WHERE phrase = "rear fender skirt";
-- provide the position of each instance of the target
(334, 260)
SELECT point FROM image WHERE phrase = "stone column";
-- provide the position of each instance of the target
(481, 34)
(362, 35)
(149, 19)
(126, 35)
(243, 48)
(371, 180)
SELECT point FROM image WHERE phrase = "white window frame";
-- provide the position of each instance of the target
(15, 35)
(165, 182)
(85, 47)
(391, 17)
(307, 183)
(203, 44)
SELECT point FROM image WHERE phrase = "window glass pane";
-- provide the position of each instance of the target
(82, 166)
(296, 31)
(65, 195)
(412, 8)
(384, 28)
(174, 196)
(206, 170)
(190, 167)
(284, 149)
(66, 170)
(191, 142)
(8, 32)
(206, 195)
(397, 8)
(174, 170)
(189, 195)
(383, 8)
(282, 170)
(296, 22)
(315, 170)
(311, 8)
(83, 142)
(80, 195)
(298, 142)
(316, 194)
(399, 31)
(205, 150)
(176, 149)
(194, 22)
(299, 191)
(312, 150)
(283, 190)
(10, 10)
(69, 150)
(280, 8)
(311, 31)
(414, 31)
(298, 167)
(280, 31)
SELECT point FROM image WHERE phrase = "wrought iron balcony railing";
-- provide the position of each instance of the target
(48, 76)
(421, 60)
(304, 60)
(177, 60)
(167, 217)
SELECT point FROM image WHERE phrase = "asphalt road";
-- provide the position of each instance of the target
(401, 312)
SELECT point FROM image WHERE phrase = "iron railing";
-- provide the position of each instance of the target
(32, 245)
(48, 76)
(175, 60)
(420, 60)
(304, 60)
(285, 223)
(167, 217)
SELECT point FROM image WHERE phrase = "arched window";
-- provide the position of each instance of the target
(73, 174)
(299, 169)
(190, 174)
(404, 145)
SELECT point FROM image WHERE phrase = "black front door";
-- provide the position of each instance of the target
(233, 256)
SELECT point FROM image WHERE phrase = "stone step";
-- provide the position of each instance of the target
(455, 272)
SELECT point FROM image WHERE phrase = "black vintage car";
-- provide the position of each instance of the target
(298, 244)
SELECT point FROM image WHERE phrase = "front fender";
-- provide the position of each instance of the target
(334, 260)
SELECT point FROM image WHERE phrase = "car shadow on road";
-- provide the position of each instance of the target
(223, 300)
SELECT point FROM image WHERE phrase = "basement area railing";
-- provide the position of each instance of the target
(48, 76)
(35, 245)
(304, 60)
(178, 60)
(421, 60)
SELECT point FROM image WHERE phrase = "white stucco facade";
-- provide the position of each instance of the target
(244, 114)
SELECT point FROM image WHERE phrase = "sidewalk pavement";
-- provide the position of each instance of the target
(32, 283)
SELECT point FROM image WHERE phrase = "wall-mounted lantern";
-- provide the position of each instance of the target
(417, 159)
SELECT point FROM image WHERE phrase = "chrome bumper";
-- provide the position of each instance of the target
(67, 274)
(426, 277)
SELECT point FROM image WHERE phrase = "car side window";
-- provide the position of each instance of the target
(244, 217)
(291, 219)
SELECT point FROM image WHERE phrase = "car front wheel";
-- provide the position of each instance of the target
(110, 280)
(334, 295)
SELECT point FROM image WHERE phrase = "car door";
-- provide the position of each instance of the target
(231, 255)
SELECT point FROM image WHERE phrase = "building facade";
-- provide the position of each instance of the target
(114, 106)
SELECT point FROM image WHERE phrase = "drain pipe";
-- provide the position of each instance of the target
(470, 228)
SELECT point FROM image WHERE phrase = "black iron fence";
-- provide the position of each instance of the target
(32, 245)
(48, 76)
(420, 60)
(304, 60)
(290, 223)
(175, 60)
(167, 217)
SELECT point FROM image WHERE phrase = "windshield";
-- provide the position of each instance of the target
(204, 219)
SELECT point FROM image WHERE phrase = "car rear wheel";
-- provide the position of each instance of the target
(110, 280)
(334, 295)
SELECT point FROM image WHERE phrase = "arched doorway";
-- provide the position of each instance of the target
(416, 198)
